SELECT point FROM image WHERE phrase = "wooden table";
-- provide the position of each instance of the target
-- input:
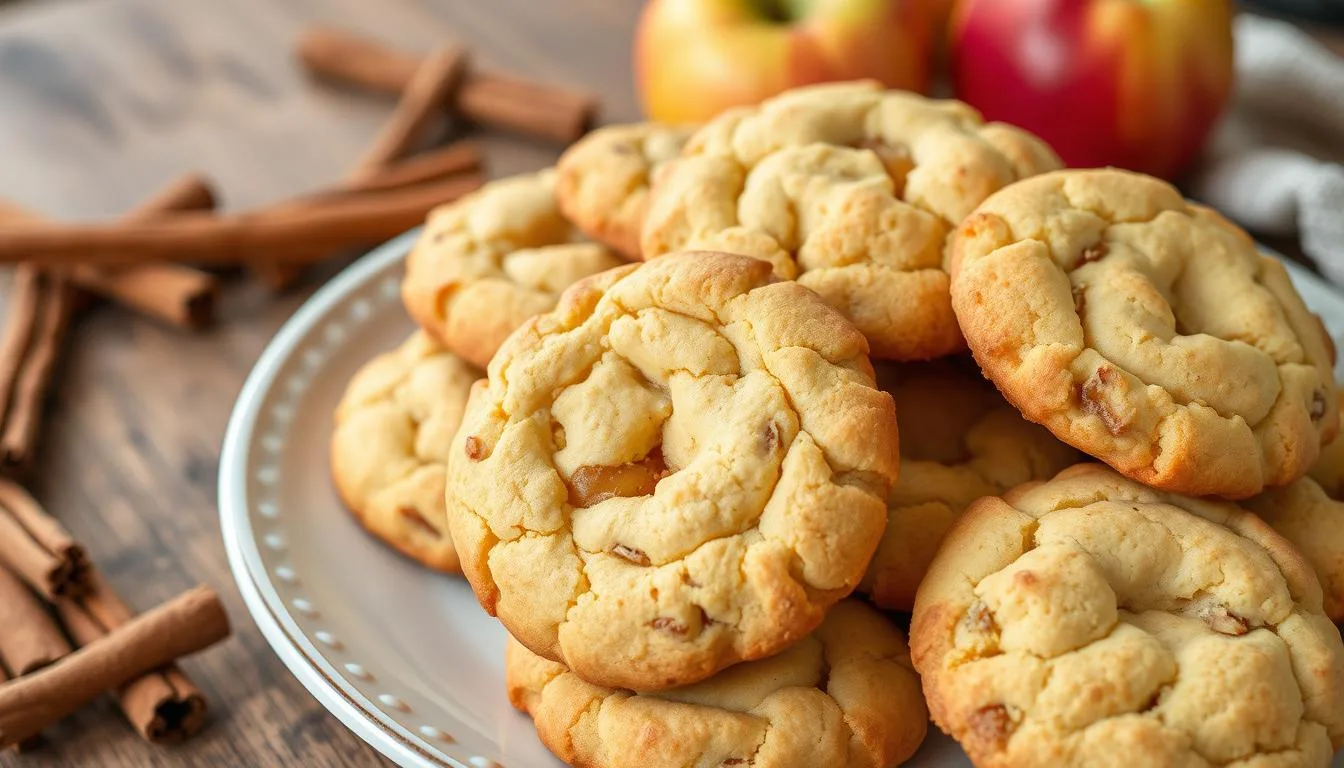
(101, 102)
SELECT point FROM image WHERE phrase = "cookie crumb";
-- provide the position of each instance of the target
(635, 556)
(772, 437)
(1094, 253)
(475, 448)
(1317, 405)
(978, 618)
(669, 625)
(1094, 395)
(993, 725)
(1225, 622)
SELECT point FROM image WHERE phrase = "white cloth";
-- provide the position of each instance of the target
(1275, 163)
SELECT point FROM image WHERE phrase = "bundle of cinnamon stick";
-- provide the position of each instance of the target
(46, 679)
(150, 260)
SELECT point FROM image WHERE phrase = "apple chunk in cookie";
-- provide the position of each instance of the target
(680, 468)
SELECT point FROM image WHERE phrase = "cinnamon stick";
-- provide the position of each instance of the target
(186, 624)
(29, 639)
(19, 435)
(19, 323)
(301, 230)
(430, 90)
(163, 705)
(175, 293)
(460, 157)
(532, 108)
(37, 548)
(527, 107)
(350, 59)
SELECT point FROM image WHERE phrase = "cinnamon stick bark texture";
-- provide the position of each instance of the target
(19, 323)
(29, 639)
(174, 293)
(528, 107)
(37, 548)
(186, 624)
(290, 231)
(19, 436)
(458, 158)
(431, 89)
(163, 705)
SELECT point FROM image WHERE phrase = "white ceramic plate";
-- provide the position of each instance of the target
(403, 656)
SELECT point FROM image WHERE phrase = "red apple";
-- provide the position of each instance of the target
(694, 58)
(1132, 83)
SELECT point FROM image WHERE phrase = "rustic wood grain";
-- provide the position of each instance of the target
(103, 101)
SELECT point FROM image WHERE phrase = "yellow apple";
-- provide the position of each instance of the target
(694, 58)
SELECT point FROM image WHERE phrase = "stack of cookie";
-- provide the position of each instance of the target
(679, 484)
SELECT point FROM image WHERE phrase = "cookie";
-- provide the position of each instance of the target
(1146, 331)
(488, 261)
(960, 440)
(845, 695)
(680, 468)
(1090, 620)
(1313, 522)
(1328, 470)
(604, 179)
(851, 190)
(1309, 513)
(394, 426)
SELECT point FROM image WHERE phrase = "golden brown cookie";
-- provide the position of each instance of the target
(851, 190)
(1145, 331)
(960, 440)
(389, 448)
(1328, 471)
(845, 695)
(680, 468)
(1309, 513)
(487, 262)
(604, 179)
(1091, 620)
(1313, 522)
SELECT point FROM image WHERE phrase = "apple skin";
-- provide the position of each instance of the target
(695, 58)
(1136, 84)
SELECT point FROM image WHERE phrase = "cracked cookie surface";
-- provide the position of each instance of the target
(1313, 521)
(1309, 513)
(960, 440)
(604, 179)
(1145, 331)
(851, 190)
(1090, 620)
(845, 696)
(487, 262)
(680, 468)
(389, 448)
